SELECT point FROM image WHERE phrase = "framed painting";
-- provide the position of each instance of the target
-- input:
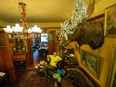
(111, 80)
(110, 21)
(10, 37)
(91, 62)
(2, 41)
(14, 48)
(23, 48)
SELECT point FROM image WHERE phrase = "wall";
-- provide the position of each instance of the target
(100, 7)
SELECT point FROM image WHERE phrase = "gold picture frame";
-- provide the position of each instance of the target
(91, 62)
(111, 80)
(110, 21)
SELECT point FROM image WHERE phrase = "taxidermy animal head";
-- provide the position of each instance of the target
(91, 34)
(84, 33)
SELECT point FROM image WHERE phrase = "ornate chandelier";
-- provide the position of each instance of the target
(22, 32)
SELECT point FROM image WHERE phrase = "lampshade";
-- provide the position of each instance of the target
(8, 29)
(17, 28)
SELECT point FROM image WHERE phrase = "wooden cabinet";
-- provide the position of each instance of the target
(19, 57)
(20, 61)
(20, 54)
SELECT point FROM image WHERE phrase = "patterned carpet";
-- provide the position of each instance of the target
(30, 78)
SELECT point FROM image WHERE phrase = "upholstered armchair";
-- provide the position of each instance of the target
(77, 77)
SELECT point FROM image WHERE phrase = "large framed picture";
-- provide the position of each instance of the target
(91, 62)
(110, 21)
(111, 81)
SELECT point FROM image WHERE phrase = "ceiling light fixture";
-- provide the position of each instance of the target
(22, 32)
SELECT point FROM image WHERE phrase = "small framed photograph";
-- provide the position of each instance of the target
(23, 48)
(91, 62)
(10, 37)
(14, 48)
(110, 21)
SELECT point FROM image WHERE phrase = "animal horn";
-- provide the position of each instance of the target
(90, 9)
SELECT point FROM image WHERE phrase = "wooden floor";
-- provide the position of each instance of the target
(36, 58)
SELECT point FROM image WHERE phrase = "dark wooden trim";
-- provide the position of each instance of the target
(50, 27)
(96, 17)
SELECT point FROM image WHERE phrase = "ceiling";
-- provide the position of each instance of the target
(38, 10)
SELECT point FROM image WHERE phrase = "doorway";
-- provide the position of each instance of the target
(40, 47)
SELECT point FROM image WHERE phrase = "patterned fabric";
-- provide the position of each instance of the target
(30, 78)
(76, 77)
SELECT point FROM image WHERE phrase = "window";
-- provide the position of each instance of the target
(44, 37)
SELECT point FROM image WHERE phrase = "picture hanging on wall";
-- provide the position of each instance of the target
(91, 62)
(2, 41)
(111, 80)
(110, 21)
(51, 37)
(10, 37)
